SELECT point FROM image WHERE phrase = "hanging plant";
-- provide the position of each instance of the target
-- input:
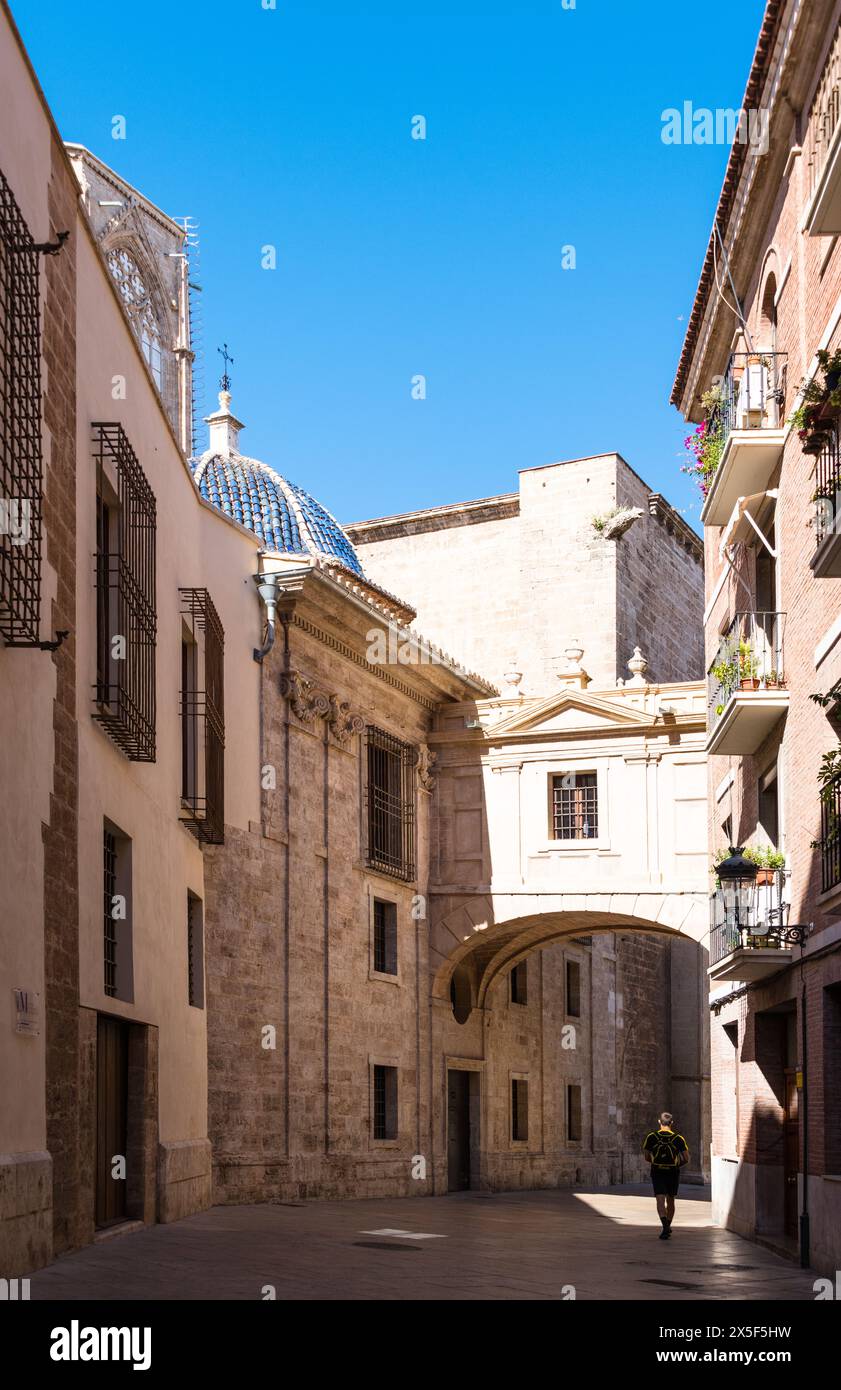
(706, 443)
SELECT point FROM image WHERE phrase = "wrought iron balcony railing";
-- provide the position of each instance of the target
(749, 658)
(761, 926)
(827, 494)
(830, 841)
(751, 394)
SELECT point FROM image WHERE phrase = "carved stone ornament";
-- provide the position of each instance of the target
(308, 702)
(424, 765)
(342, 721)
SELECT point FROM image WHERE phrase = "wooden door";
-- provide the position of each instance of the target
(458, 1130)
(111, 1112)
(791, 1150)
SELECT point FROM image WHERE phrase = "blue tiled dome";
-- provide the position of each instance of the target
(285, 517)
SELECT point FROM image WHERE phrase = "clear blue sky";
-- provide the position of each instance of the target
(442, 257)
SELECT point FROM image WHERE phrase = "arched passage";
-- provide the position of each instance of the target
(562, 1091)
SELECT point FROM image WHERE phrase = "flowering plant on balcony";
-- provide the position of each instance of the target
(706, 443)
(820, 404)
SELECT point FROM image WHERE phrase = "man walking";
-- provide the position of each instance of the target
(666, 1152)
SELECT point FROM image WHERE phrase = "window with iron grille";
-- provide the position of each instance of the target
(573, 974)
(519, 978)
(20, 427)
(202, 717)
(125, 590)
(109, 923)
(385, 937)
(116, 913)
(830, 841)
(390, 790)
(195, 951)
(385, 1102)
(574, 1114)
(575, 806)
(519, 1109)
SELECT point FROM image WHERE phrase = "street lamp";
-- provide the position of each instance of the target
(737, 880)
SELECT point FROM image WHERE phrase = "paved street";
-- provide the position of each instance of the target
(510, 1245)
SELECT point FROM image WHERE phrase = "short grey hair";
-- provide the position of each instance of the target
(666, 1118)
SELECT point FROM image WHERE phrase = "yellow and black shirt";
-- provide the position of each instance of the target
(666, 1148)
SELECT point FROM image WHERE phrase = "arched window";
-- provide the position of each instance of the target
(768, 315)
(138, 302)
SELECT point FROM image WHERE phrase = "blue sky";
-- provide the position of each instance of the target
(444, 257)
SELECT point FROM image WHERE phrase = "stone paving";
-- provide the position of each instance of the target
(506, 1245)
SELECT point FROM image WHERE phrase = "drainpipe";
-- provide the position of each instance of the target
(804, 1215)
(267, 589)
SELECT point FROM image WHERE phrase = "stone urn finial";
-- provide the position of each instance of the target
(637, 667)
(512, 678)
(573, 672)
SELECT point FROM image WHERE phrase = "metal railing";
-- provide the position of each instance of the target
(751, 394)
(827, 494)
(830, 841)
(759, 926)
(20, 426)
(390, 804)
(203, 719)
(124, 693)
(749, 657)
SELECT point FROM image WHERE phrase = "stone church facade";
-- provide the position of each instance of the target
(296, 905)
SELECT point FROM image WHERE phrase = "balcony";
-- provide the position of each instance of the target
(746, 687)
(826, 561)
(757, 946)
(749, 421)
(830, 841)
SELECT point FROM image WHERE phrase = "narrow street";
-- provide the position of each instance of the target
(508, 1245)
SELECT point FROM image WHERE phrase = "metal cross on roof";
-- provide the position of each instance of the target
(225, 380)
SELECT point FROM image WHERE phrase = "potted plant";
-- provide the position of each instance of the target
(830, 364)
(768, 861)
(748, 667)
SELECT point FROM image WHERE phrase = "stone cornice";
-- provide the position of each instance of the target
(434, 519)
(675, 525)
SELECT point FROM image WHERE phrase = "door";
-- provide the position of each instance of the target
(458, 1130)
(111, 1111)
(791, 1151)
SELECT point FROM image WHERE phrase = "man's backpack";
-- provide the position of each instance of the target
(664, 1151)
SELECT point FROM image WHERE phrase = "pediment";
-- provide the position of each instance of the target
(568, 710)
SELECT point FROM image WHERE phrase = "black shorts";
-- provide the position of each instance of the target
(665, 1181)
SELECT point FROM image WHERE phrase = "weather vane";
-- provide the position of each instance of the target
(225, 381)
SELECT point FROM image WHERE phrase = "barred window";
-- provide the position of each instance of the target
(195, 951)
(385, 1102)
(519, 1109)
(202, 717)
(20, 427)
(390, 790)
(116, 913)
(385, 937)
(575, 806)
(125, 596)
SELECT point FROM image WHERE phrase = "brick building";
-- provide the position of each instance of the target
(292, 903)
(758, 369)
